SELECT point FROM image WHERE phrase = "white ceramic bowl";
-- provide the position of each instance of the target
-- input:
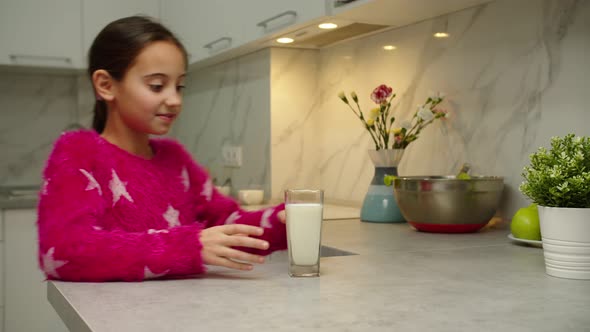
(251, 196)
(225, 190)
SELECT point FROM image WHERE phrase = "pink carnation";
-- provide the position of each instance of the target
(381, 93)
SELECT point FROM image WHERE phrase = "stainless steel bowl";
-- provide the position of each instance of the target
(447, 204)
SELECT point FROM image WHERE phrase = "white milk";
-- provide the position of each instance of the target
(304, 225)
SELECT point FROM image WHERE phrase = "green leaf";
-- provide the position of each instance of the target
(559, 176)
(388, 179)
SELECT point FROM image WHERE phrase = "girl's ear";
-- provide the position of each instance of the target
(104, 86)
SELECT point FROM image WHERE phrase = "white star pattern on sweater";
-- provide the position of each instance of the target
(265, 220)
(50, 264)
(171, 216)
(232, 218)
(207, 189)
(156, 231)
(186, 182)
(45, 187)
(148, 274)
(92, 183)
(118, 188)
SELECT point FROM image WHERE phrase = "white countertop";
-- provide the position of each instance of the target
(401, 280)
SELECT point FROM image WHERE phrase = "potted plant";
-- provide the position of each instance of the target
(558, 181)
(390, 141)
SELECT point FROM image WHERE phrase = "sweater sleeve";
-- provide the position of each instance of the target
(74, 247)
(215, 209)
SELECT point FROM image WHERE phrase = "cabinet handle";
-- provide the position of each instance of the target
(210, 45)
(264, 24)
(14, 58)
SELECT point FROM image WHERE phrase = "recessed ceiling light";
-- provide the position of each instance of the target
(285, 40)
(441, 35)
(328, 26)
(389, 47)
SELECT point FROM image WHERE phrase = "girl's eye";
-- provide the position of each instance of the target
(156, 87)
(179, 88)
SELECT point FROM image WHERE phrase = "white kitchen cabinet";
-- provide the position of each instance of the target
(264, 17)
(96, 14)
(26, 307)
(212, 28)
(397, 13)
(41, 33)
(197, 23)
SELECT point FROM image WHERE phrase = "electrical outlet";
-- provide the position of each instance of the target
(232, 156)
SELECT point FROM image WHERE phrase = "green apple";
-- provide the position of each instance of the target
(463, 176)
(525, 223)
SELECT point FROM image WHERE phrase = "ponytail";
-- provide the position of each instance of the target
(99, 120)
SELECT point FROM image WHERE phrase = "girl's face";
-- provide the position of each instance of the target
(149, 97)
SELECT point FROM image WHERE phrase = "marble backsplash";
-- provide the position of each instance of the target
(514, 72)
(34, 109)
(229, 105)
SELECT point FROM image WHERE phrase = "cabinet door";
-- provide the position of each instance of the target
(26, 307)
(209, 28)
(198, 23)
(96, 14)
(263, 17)
(41, 33)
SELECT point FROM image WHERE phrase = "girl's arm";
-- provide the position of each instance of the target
(215, 209)
(73, 245)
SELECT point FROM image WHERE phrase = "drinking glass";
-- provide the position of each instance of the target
(304, 209)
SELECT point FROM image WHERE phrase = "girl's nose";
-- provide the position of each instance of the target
(174, 99)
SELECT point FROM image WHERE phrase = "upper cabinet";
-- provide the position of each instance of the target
(97, 14)
(198, 23)
(40, 33)
(59, 33)
(223, 28)
(396, 13)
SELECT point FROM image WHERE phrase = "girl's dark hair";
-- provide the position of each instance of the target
(115, 48)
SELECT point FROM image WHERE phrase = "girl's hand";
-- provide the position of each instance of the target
(281, 216)
(218, 240)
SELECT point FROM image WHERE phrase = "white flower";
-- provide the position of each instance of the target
(425, 114)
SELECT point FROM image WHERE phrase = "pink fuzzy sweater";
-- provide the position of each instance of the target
(106, 214)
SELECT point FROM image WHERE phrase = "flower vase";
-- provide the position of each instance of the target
(379, 205)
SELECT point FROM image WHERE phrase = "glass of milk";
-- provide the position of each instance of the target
(304, 209)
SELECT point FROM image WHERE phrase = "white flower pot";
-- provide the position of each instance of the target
(566, 241)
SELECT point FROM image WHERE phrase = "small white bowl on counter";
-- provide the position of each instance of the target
(251, 196)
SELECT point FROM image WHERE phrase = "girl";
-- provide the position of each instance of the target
(119, 205)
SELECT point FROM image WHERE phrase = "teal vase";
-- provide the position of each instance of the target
(379, 205)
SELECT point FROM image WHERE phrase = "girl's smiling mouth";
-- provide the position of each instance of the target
(168, 117)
